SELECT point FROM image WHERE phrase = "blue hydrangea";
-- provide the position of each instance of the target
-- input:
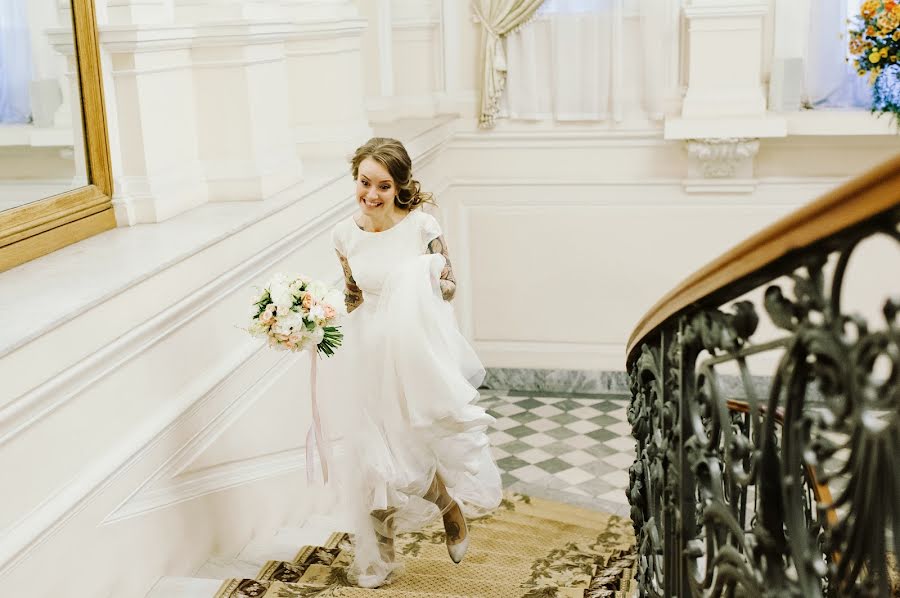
(886, 91)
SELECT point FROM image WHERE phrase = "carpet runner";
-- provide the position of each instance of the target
(527, 548)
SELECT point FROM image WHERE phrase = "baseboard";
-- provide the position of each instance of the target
(555, 381)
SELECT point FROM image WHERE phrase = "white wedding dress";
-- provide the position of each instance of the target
(400, 405)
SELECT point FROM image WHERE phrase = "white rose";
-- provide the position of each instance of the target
(281, 296)
(317, 335)
(318, 290)
(285, 324)
(317, 312)
(295, 287)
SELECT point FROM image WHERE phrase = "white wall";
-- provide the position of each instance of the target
(131, 431)
(563, 242)
(142, 432)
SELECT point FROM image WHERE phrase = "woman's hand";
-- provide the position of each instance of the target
(448, 281)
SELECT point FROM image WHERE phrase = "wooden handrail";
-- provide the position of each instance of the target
(855, 202)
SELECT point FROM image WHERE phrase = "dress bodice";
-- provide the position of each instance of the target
(373, 256)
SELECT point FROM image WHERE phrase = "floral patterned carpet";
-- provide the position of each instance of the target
(528, 548)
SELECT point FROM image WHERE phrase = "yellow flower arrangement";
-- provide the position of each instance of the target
(874, 44)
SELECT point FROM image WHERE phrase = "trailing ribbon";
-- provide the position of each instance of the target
(314, 437)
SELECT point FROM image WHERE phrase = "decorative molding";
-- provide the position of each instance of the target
(610, 198)
(756, 127)
(551, 135)
(22, 413)
(415, 24)
(385, 48)
(720, 186)
(26, 534)
(451, 21)
(215, 479)
(164, 37)
(170, 485)
(723, 157)
(726, 9)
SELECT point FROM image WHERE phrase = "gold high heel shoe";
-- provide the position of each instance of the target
(458, 551)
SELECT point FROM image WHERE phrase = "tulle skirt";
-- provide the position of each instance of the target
(399, 407)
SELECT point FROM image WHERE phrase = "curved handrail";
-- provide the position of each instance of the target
(732, 274)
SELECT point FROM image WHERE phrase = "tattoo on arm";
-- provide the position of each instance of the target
(448, 280)
(353, 296)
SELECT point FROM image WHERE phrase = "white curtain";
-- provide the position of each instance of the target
(829, 81)
(498, 19)
(561, 66)
(568, 64)
(15, 63)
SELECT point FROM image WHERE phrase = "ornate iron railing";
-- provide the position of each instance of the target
(779, 479)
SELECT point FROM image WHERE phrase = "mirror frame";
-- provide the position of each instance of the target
(43, 226)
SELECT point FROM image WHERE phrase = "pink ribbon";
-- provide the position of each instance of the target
(314, 437)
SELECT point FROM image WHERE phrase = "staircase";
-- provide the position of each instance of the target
(564, 528)
(528, 548)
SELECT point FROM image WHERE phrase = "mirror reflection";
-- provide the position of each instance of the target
(41, 145)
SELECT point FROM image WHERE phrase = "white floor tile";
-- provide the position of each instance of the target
(582, 427)
(622, 444)
(508, 409)
(529, 473)
(620, 460)
(617, 478)
(621, 414)
(547, 411)
(538, 440)
(504, 423)
(577, 458)
(581, 442)
(574, 476)
(534, 455)
(542, 425)
(621, 428)
(500, 437)
(584, 412)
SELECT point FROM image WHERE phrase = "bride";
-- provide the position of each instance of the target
(415, 445)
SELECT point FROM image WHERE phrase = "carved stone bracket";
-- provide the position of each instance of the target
(720, 158)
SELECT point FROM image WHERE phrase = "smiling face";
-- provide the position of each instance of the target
(375, 189)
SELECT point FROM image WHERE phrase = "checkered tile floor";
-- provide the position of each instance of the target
(575, 448)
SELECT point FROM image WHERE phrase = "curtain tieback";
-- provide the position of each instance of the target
(499, 53)
(479, 17)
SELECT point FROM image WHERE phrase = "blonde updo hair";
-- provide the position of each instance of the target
(391, 154)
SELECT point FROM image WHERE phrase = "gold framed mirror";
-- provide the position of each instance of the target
(32, 224)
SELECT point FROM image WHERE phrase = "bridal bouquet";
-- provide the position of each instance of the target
(297, 313)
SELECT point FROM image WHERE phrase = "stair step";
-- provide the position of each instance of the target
(239, 588)
(221, 567)
(404, 587)
(528, 548)
(284, 544)
(184, 587)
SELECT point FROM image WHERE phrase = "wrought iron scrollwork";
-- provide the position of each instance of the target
(782, 484)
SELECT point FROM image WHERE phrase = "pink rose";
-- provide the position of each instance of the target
(307, 301)
(329, 312)
(268, 315)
